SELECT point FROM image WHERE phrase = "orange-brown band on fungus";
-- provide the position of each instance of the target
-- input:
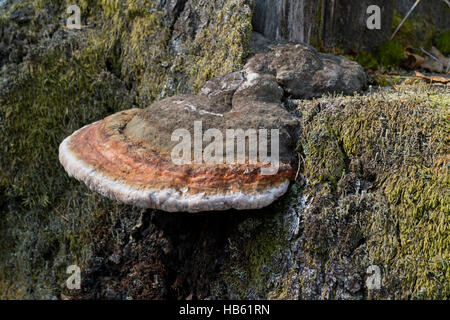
(102, 146)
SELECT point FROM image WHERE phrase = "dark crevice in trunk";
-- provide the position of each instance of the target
(177, 10)
(171, 256)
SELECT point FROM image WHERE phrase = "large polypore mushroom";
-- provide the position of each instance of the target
(129, 156)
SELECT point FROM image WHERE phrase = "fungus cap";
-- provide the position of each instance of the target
(127, 157)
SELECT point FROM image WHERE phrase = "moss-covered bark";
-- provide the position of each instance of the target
(372, 187)
(375, 193)
(56, 80)
(395, 145)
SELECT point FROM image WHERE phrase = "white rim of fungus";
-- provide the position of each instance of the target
(170, 200)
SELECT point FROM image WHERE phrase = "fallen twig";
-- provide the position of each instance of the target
(299, 165)
(404, 19)
(62, 216)
(430, 55)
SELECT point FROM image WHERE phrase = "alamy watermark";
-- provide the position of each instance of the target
(74, 281)
(373, 281)
(240, 146)
(374, 20)
(74, 21)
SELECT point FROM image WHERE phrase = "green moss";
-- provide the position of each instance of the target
(256, 250)
(394, 142)
(221, 48)
(41, 103)
(417, 30)
(367, 60)
(316, 40)
(80, 77)
(443, 43)
(391, 54)
(397, 145)
(324, 159)
(146, 60)
(49, 103)
(381, 80)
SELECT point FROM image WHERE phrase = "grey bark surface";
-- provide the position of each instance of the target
(332, 24)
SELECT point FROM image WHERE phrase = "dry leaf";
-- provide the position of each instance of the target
(435, 79)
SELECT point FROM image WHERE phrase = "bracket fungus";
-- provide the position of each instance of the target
(129, 156)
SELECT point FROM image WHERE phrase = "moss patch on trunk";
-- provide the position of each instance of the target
(395, 158)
